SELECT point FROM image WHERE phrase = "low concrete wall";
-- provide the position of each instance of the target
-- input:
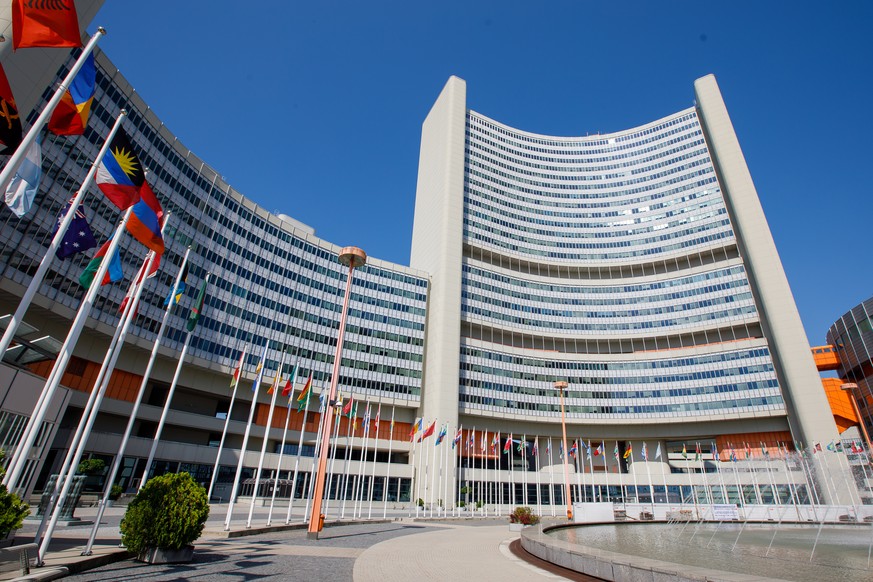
(614, 566)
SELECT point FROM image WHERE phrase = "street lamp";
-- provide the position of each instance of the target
(352, 257)
(560, 385)
(850, 389)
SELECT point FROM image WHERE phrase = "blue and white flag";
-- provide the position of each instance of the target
(22, 188)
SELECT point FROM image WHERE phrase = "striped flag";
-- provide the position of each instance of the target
(303, 397)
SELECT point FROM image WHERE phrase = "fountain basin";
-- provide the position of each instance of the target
(661, 552)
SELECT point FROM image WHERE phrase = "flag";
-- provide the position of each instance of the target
(561, 451)
(259, 370)
(198, 307)
(817, 448)
(519, 447)
(378, 414)
(749, 451)
(367, 420)
(441, 435)
(599, 450)
(495, 442)
(427, 432)
(684, 451)
(507, 448)
(347, 409)
(303, 397)
(457, 438)
(113, 274)
(146, 220)
(45, 24)
(131, 291)
(289, 385)
(855, 448)
(416, 426)
(573, 450)
(120, 174)
(176, 294)
(275, 383)
(10, 121)
(23, 186)
(697, 454)
(733, 454)
(535, 451)
(549, 448)
(615, 451)
(234, 378)
(354, 416)
(830, 446)
(471, 442)
(645, 452)
(79, 236)
(70, 117)
(658, 451)
(628, 452)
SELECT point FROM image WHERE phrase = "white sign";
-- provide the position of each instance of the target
(726, 512)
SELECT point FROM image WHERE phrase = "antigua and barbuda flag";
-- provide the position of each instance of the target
(70, 117)
(120, 174)
(48, 23)
(10, 121)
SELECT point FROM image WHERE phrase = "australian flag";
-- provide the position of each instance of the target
(78, 238)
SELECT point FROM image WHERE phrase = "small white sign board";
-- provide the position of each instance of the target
(592, 512)
(725, 512)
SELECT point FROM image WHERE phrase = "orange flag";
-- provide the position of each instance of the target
(50, 23)
(10, 122)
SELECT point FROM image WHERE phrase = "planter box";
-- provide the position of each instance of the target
(516, 526)
(162, 556)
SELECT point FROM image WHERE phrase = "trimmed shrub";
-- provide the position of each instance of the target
(168, 513)
(523, 515)
(12, 509)
(91, 467)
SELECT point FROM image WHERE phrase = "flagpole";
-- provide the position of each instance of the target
(267, 427)
(418, 476)
(373, 474)
(663, 473)
(362, 464)
(165, 412)
(242, 451)
(621, 490)
(388, 470)
(299, 449)
(89, 414)
(333, 476)
(229, 410)
(551, 478)
(116, 462)
(605, 468)
(536, 450)
(347, 457)
(16, 158)
(279, 465)
(39, 275)
(86, 412)
(591, 469)
(29, 436)
(316, 451)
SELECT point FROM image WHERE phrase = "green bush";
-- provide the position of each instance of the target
(12, 509)
(523, 515)
(168, 513)
(115, 492)
(91, 467)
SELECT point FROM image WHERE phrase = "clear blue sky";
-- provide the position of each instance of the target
(314, 109)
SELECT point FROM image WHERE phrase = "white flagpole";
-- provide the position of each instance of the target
(39, 275)
(242, 451)
(373, 473)
(279, 463)
(89, 414)
(434, 491)
(267, 428)
(537, 468)
(663, 464)
(605, 469)
(576, 467)
(348, 456)
(418, 477)
(305, 406)
(318, 445)
(524, 473)
(621, 490)
(428, 491)
(388, 470)
(649, 473)
(29, 436)
(446, 479)
(336, 438)
(16, 158)
(98, 383)
(591, 469)
(362, 464)
(551, 479)
(116, 463)
(226, 420)
(457, 474)
(166, 410)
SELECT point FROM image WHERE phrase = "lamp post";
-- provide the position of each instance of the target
(561, 386)
(850, 389)
(352, 257)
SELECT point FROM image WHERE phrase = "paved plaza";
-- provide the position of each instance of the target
(397, 548)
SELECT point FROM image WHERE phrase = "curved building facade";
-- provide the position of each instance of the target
(637, 266)
(852, 338)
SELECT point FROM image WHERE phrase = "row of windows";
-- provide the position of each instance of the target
(475, 385)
